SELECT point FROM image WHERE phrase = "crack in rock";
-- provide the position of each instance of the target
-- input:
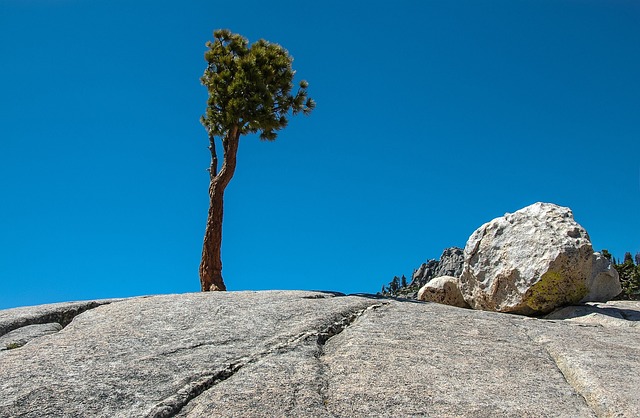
(177, 350)
(64, 316)
(323, 337)
(172, 405)
(578, 381)
(16, 330)
(339, 326)
(294, 402)
(560, 366)
(322, 376)
(21, 336)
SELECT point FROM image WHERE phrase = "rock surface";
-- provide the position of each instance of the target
(443, 289)
(592, 362)
(615, 313)
(312, 354)
(61, 313)
(604, 281)
(21, 336)
(449, 264)
(527, 262)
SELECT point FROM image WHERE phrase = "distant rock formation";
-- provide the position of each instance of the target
(449, 264)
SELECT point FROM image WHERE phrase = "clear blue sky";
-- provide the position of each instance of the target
(432, 118)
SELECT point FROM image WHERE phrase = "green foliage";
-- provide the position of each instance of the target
(397, 287)
(629, 273)
(627, 258)
(12, 346)
(250, 87)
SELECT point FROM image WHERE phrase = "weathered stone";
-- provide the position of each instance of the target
(151, 356)
(629, 309)
(450, 264)
(21, 336)
(62, 313)
(443, 289)
(594, 358)
(454, 363)
(610, 314)
(312, 354)
(528, 262)
(604, 281)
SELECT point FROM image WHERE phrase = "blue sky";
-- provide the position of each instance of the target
(432, 118)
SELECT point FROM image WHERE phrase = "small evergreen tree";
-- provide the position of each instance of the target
(629, 274)
(249, 92)
(394, 286)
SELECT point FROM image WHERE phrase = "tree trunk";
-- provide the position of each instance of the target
(211, 263)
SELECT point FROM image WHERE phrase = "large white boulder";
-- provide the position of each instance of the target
(528, 262)
(443, 289)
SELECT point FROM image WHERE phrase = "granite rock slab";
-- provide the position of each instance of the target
(317, 354)
(61, 313)
(19, 337)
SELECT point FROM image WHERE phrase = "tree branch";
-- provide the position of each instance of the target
(230, 149)
(213, 169)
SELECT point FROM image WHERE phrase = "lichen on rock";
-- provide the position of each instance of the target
(553, 290)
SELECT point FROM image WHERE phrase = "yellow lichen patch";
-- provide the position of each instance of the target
(553, 290)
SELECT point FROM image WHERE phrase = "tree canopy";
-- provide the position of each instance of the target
(250, 87)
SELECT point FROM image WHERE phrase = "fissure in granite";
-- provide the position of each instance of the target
(554, 360)
(323, 338)
(573, 379)
(63, 317)
(171, 406)
(174, 404)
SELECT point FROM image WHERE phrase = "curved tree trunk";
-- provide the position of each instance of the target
(211, 263)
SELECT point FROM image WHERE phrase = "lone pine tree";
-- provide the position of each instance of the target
(250, 91)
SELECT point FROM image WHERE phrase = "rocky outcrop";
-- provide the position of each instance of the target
(528, 262)
(449, 264)
(615, 313)
(443, 289)
(21, 336)
(61, 313)
(313, 354)
(604, 281)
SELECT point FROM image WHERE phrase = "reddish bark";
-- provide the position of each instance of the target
(211, 263)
